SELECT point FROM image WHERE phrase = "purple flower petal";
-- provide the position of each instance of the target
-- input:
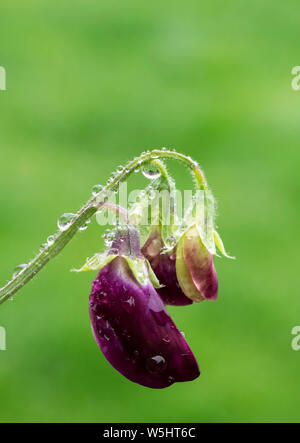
(164, 267)
(135, 332)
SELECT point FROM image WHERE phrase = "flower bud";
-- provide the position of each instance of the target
(163, 264)
(195, 267)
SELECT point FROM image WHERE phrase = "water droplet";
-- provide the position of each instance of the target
(106, 333)
(43, 246)
(171, 379)
(156, 364)
(96, 189)
(96, 286)
(50, 240)
(64, 221)
(182, 333)
(84, 227)
(137, 170)
(19, 269)
(151, 172)
(128, 304)
(171, 240)
(166, 339)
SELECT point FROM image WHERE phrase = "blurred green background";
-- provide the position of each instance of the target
(91, 84)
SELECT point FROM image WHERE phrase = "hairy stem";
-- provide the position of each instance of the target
(62, 238)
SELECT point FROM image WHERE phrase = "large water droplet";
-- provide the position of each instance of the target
(64, 221)
(19, 269)
(128, 304)
(150, 172)
(96, 189)
(156, 364)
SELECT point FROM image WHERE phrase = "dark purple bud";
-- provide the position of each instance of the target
(135, 332)
(164, 267)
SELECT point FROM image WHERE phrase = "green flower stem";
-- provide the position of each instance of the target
(62, 238)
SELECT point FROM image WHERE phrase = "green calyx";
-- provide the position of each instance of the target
(140, 267)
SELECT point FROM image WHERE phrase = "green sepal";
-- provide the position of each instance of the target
(153, 278)
(139, 269)
(220, 245)
(95, 263)
(204, 214)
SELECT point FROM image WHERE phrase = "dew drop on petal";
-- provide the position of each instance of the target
(171, 379)
(182, 333)
(19, 269)
(156, 364)
(64, 221)
(128, 305)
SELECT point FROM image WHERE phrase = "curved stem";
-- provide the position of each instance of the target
(62, 238)
(116, 209)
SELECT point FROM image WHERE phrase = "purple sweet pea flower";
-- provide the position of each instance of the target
(132, 327)
(164, 267)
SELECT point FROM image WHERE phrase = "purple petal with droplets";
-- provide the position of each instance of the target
(135, 332)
